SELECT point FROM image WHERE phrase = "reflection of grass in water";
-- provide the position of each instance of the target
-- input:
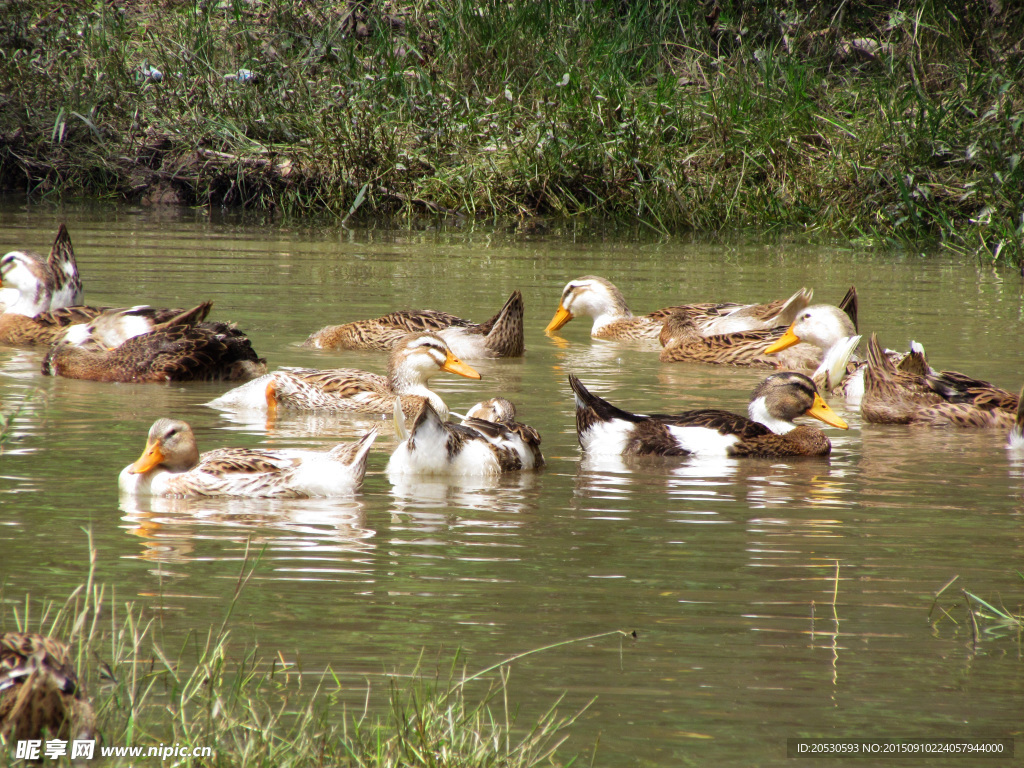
(252, 712)
(8, 418)
(983, 618)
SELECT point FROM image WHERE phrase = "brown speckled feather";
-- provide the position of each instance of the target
(340, 390)
(746, 348)
(39, 691)
(246, 460)
(503, 332)
(203, 352)
(44, 328)
(947, 398)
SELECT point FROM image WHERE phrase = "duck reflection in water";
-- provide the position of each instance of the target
(182, 530)
(441, 502)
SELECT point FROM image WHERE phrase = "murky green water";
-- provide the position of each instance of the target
(725, 569)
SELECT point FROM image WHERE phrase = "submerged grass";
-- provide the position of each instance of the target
(249, 711)
(892, 120)
(985, 620)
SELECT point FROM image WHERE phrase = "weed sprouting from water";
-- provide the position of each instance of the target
(985, 620)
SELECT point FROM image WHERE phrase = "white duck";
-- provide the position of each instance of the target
(171, 465)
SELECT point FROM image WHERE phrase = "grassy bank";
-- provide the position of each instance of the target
(895, 120)
(215, 691)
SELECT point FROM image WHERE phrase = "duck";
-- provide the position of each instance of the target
(58, 273)
(821, 327)
(40, 695)
(767, 431)
(171, 466)
(493, 409)
(917, 394)
(179, 349)
(33, 318)
(501, 336)
(1015, 440)
(598, 298)
(476, 447)
(413, 361)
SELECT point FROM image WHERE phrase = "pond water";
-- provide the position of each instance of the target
(770, 599)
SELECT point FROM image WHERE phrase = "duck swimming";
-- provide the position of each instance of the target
(598, 298)
(767, 431)
(501, 336)
(413, 361)
(57, 275)
(172, 466)
(179, 349)
(477, 446)
(823, 327)
(917, 394)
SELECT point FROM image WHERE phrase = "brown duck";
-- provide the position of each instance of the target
(179, 349)
(914, 393)
(39, 691)
(501, 336)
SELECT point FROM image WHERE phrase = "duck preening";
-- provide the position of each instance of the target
(914, 393)
(40, 695)
(477, 446)
(171, 465)
(501, 336)
(179, 349)
(55, 282)
(767, 431)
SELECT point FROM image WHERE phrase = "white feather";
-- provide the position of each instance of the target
(702, 441)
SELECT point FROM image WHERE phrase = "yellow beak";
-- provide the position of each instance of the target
(150, 458)
(788, 340)
(452, 364)
(562, 316)
(820, 410)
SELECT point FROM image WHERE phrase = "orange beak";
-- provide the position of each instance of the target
(788, 340)
(452, 364)
(820, 410)
(150, 458)
(562, 316)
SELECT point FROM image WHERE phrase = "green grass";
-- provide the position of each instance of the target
(892, 122)
(213, 691)
(985, 620)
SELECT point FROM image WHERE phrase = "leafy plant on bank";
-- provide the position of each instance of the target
(893, 121)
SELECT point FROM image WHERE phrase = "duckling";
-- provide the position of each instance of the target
(40, 696)
(822, 327)
(599, 299)
(933, 398)
(768, 431)
(413, 361)
(475, 447)
(179, 349)
(501, 336)
(57, 274)
(172, 466)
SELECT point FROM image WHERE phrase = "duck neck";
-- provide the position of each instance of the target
(758, 411)
(404, 382)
